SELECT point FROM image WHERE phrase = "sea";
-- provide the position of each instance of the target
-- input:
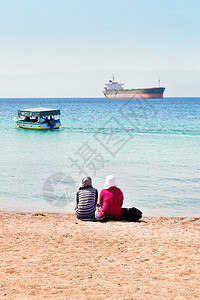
(152, 147)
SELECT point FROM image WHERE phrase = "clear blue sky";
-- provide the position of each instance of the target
(96, 37)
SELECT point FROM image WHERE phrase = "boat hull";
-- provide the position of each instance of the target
(149, 93)
(37, 126)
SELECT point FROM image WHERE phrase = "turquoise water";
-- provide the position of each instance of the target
(152, 147)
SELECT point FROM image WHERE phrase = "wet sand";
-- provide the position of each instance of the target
(56, 256)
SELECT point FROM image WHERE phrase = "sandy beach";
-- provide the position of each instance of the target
(56, 256)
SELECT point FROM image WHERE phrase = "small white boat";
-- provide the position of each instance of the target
(38, 118)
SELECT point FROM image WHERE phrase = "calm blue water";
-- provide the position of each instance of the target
(152, 147)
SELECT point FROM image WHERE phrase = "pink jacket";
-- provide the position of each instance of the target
(111, 201)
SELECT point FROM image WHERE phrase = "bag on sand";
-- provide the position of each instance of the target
(131, 214)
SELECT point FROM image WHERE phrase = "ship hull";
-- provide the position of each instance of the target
(149, 93)
(37, 126)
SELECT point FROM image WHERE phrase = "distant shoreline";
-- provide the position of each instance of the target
(90, 97)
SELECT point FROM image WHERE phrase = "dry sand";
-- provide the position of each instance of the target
(55, 256)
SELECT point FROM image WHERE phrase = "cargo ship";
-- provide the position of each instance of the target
(115, 90)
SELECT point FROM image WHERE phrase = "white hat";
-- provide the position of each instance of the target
(110, 181)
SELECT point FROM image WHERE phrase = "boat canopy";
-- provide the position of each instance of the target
(38, 112)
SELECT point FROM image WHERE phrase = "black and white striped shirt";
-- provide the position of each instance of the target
(86, 200)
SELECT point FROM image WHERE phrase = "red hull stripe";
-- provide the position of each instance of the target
(136, 96)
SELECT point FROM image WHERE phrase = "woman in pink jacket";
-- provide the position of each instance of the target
(110, 199)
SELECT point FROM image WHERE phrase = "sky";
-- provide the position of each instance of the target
(62, 48)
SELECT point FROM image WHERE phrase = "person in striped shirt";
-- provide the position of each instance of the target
(86, 200)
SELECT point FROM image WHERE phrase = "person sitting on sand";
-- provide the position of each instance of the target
(86, 200)
(110, 199)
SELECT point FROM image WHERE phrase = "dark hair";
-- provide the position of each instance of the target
(87, 181)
